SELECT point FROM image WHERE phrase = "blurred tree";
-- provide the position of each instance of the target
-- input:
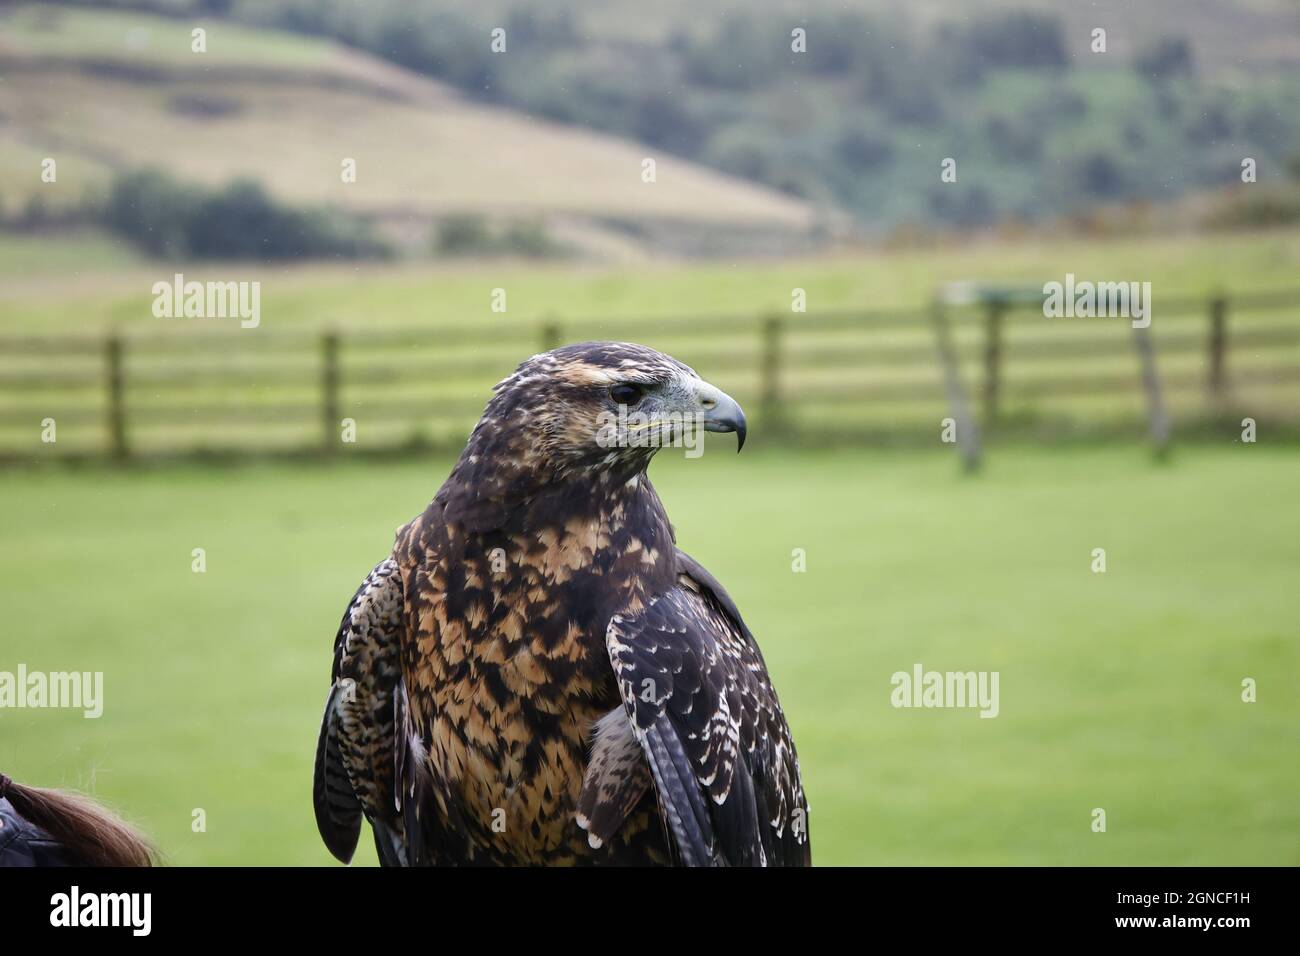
(1165, 58)
(1002, 39)
(661, 119)
(240, 221)
(864, 146)
(869, 92)
(151, 209)
(961, 204)
(744, 151)
(462, 235)
(531, 30)
(1100, 173)
(834, 43)
(745, 52)
(1012, 137)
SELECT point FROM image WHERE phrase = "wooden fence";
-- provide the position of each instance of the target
(182, 386)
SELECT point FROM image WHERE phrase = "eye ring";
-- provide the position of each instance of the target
(626, 393)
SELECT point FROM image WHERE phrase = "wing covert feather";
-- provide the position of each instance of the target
(701, 704)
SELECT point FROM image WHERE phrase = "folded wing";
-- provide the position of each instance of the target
(357, 751)
(701, 705)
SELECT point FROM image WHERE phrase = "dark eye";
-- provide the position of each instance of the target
(626, 393)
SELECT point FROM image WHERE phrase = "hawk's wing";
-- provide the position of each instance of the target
(357, 754)
(702, 707)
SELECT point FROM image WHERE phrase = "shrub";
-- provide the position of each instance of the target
(1165, 58)
(468, 235)
(239, 221)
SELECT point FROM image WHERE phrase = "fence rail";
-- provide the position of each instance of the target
(157, 390)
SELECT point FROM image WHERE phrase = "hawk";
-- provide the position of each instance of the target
(536, 674)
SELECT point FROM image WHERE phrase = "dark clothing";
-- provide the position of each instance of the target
(22, 844)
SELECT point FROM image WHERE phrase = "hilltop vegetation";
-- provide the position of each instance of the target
(240, 221)
(864, 116)
(1040, 126)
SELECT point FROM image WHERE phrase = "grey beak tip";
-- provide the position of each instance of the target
(723, 414)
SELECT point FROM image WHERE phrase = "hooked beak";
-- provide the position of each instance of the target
(722, 413)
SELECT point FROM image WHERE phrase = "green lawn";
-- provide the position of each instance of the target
(1119, 691)
(210, 384)
(459, 294)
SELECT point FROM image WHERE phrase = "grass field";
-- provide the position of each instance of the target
(108, 291)
(261, 387)
(1118, 690)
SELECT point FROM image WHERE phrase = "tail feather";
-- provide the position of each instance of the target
(388, 845)
(338, 811)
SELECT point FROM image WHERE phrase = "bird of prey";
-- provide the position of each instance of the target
(536, 674)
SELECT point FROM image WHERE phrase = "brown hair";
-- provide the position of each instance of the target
(89, 834)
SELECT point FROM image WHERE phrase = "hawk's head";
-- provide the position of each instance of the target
(608, 405)
(580, 418)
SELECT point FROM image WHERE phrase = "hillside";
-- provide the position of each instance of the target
(758, 149)
(1231, 35)
(105, 91)
(855, 104)
(1227, 34)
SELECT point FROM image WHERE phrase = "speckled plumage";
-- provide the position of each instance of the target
(537, 675)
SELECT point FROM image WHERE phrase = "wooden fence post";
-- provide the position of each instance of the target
(992, 360)
(329, 381)
(968, 431)
(551, 334)
(115, 372)
(1218, 346)
(770, 373)
(1156, 414)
